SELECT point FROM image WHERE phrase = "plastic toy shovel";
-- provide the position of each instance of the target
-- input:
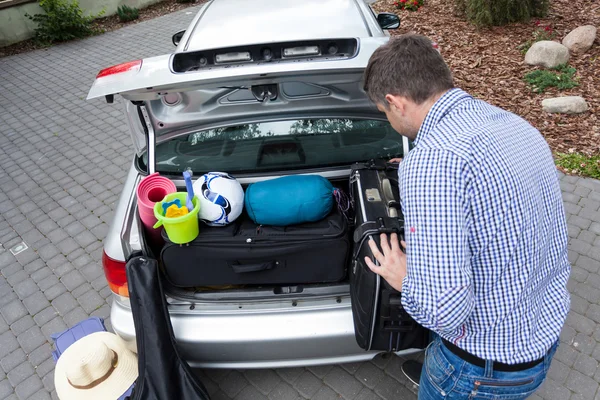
(190, 190)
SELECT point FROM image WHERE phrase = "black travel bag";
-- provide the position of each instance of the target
(380, 321)
(163, 374)
(244, 253)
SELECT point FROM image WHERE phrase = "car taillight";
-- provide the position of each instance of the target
(117, 69)
(115, 275)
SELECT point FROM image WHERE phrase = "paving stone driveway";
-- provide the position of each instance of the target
(62, 165)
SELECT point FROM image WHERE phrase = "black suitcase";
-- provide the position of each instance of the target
(380, 322)
(244, 253)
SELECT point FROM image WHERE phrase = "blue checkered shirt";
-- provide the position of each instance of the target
(486, 232)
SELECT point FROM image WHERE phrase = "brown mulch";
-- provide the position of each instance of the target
(108, 24)
(487, 63)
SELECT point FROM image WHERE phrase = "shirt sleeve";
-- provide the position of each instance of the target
(437, 290)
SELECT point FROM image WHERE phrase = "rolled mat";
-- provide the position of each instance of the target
(151, 190)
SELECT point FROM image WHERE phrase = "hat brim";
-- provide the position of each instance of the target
(117, 383)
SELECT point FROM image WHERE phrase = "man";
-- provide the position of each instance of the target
(486, 239)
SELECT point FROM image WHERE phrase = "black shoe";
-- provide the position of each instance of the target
(412, 370)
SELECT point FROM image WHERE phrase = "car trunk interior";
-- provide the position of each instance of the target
(258, 291)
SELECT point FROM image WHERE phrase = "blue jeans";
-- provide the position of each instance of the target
(447, 376)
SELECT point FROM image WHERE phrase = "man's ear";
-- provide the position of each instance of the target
(397, 103)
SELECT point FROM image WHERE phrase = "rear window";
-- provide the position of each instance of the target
(280, 145)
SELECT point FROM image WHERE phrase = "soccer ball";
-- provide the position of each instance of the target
(221, 198)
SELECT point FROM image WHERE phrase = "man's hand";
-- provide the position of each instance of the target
(392, 262)
(395, 160)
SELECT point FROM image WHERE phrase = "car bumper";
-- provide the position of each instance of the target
(271, 336)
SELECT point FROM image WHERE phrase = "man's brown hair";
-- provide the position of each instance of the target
(409, 66)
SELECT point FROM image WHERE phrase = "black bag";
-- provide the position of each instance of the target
(244, 253)
(380, 321)
(162, 372)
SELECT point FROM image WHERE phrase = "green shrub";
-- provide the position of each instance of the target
(501, 12)
(127, 14)
(580, 164)
(561, 77)
(63, 20)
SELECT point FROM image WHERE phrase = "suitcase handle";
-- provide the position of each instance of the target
(245, 268)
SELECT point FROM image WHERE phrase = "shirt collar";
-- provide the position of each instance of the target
(439, 110)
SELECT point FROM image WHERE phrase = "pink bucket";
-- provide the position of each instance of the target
(152, 189)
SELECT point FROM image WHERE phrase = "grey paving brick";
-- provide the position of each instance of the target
(47, 252)
(582, 191)
(40, 395)
(580, 323)
(47, 226)
(566, 354)
(39, 355)
(22, 325)
(579, 274)
(34, 266)
(36, 303)
(369, 375)
(55, 326)
(588, 264)
(588, 292)
(343, 383)
(250, 393)
(6, 389)
(67, 246)
(11, 270)
(290, 374)
(55, 291)
(579, 383)
(264, 380)
(390, 389)
(31, 339)
(308, 384)
(20, 373)
(234, 384)
(587, 237)
(586, 365)
(558, 371)
(553, 391)
(584, 343)
(85, 238)
(72, 280)
(326, 393)
(91, 271)
(75, 316)
(3, 325)
(320, 370)
(351, 368)
(283, 391)
(91, 301)
(45, 368)
(64, 303)
(26, 288)
(28, 387)
(13, 360)
(573, 230)
(572, 208)
(8, 343)
(13, 311)
(579, 221)
(48, 382)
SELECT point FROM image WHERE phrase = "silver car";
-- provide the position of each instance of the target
(242, 71)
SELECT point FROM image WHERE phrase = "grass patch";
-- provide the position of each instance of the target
(579, 164)
(561, 77)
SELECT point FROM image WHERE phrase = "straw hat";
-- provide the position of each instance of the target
(97, 366)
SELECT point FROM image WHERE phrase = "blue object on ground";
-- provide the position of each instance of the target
(62, 340)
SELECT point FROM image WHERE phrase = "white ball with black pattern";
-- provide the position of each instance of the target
(221, 198)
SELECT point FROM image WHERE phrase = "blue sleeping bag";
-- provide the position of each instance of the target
(289, 200)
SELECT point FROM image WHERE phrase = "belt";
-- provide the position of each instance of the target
(480, 362)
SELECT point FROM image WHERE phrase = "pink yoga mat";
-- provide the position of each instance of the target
(151, 190)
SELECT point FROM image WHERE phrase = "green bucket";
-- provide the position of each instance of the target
(182, 229)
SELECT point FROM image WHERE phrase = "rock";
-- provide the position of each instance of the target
(565, 105)
(547, 53)
(580, 40)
